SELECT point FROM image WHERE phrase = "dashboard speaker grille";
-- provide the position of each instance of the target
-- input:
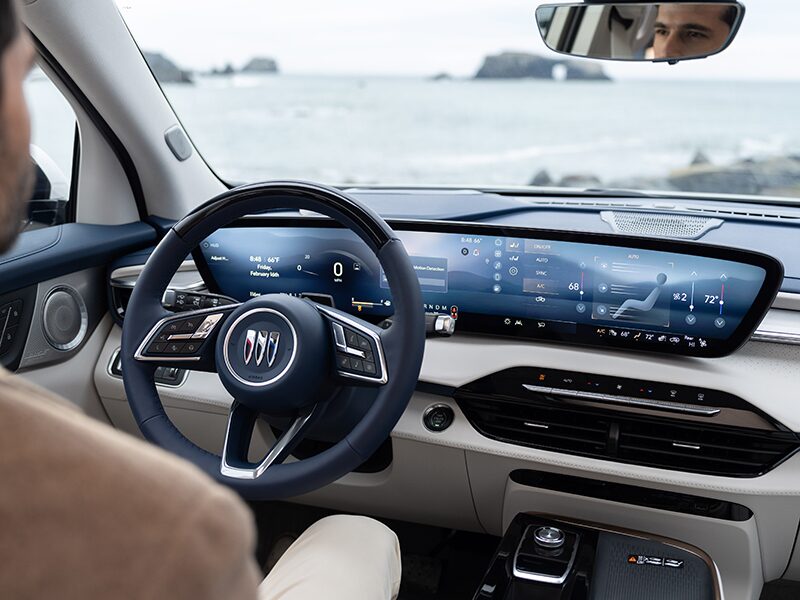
(659, 225)
(652, 442)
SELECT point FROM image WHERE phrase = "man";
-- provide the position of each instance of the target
(88, 512)
(685, 30)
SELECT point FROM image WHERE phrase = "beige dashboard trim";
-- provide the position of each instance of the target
(787, 301)
(781, 325)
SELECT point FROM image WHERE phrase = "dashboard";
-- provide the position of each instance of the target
(582, 288)
(531, 401)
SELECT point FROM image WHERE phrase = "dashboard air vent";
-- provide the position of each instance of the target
(753, 214)
(622, 437)
(701, 449)
(540, 426)
(659, 225)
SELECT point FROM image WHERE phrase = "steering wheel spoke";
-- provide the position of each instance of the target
(185, 339)
(358, 349)
(241, 422)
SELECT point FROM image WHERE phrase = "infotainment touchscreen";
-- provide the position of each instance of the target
(581, 288)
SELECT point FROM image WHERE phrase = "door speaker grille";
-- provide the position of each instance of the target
(65, 319)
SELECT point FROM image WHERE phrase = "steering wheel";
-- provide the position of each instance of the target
(275, 354)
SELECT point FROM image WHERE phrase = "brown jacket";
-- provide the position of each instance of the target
(88, 512)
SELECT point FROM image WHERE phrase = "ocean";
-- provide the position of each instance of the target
(368, 130)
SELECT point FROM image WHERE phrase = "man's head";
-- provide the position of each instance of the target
(683, 30)
(16, 173)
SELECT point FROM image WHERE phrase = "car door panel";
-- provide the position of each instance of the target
(51, 277)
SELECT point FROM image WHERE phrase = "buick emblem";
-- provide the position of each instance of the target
(261, 344)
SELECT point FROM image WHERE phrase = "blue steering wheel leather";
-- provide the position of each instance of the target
(305, 356)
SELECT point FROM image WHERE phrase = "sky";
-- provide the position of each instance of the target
(420, 37)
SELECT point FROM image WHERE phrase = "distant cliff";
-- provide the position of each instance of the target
(520, 65)
(261, 65)
(165, 70)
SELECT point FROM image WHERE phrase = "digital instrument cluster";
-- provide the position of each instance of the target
(580, 288)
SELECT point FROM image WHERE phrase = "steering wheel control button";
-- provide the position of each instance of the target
(207, 326)
(438, 417)
(355, 352)
(190, 325)
(549, 537)
(339, 337)
(191, 347)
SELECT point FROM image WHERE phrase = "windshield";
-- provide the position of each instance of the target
(458, 93)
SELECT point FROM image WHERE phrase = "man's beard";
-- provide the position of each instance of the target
(14, 197)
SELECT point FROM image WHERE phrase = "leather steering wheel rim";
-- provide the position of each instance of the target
(403, 343)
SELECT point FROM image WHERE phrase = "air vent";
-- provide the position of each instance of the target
(752, 214)
(586, 203)
(662, 210)
(653, 442)
(659, 225)
(120, 295)
(540, 426)
(702, 449)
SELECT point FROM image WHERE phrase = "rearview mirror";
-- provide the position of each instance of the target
(647, 31)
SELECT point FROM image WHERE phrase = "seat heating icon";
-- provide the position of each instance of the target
(642, 305)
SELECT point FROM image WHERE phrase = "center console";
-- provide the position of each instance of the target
(545, 558)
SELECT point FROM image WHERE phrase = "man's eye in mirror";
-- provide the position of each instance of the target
(667, 31)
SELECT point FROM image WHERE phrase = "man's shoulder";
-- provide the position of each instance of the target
(50, 438)
(88, 511)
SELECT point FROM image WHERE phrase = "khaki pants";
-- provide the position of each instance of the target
(353, 558)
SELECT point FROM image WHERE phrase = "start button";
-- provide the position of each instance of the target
(438, 417)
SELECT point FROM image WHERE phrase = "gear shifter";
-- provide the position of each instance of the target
(545, 554)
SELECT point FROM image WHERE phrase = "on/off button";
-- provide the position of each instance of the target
(438, 417)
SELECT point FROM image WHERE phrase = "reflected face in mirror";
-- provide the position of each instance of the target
(639, 31)
(683, 30)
